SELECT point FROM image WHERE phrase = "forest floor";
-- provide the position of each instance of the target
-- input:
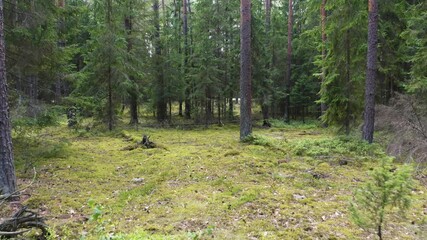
(291, 182)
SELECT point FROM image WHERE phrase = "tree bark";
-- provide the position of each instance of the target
(161, 102)
(61, 45)
(7, 169)
(245, 70)
(187, 101)
(133, 93)
(371, 71)
(348, 82)
(289, 62)
(265, 96)
(323, 22)
(109, 74)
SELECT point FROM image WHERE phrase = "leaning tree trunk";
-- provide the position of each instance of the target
(289, 63)
(7, 170)
(371, 71)
(245, 69)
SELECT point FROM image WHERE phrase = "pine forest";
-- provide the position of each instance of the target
(213, 119)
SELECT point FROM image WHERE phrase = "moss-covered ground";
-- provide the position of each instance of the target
(288, 182)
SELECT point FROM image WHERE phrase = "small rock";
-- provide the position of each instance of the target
(298, 197)
(138, 180)
(343, 162)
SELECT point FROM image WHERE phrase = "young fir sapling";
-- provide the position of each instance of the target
(388, 189)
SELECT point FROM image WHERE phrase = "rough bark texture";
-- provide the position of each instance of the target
(265, 98)
(133, 94)
(323, 21)
(7, 169)
(289, 61)
(161, 102)
(245, 69)
(187, 101)
(371, 71)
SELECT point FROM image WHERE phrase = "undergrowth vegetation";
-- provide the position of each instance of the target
(286, 182)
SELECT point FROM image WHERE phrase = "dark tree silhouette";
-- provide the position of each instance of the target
(323, 22)
(7, 170)
(160, 88)
(371, 72)
(289, 62)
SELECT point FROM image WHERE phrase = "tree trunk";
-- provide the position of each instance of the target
(7, 169)
(265, 96)
(371, 71)
(133, 93)
(245, 69)
(348, 79)
(133, 108)
(110, 100)
(231, 108)
(32, 81)
(323, 21)
(219, 110)
(180, 108)
(161, 102)
(289, 62)
(208, 106)
(109, 73)
(61, 45)
(187, 101)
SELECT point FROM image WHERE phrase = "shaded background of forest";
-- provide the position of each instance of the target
(179, 60)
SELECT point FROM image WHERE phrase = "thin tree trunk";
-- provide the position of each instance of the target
(110, 100)
(58, 85)
(371, 71)
(348, 83)
(32, 81)
(187, 101)
(219, 109)
(170, 110)
(109, 73)
(245, 70)
(323, 106)
(60, 44)
(265, 96)
(289, 63)
(15, 15)
(180, 108)
(231, 107)
(7, 169)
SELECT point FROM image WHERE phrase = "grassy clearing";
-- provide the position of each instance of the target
(289, 182)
